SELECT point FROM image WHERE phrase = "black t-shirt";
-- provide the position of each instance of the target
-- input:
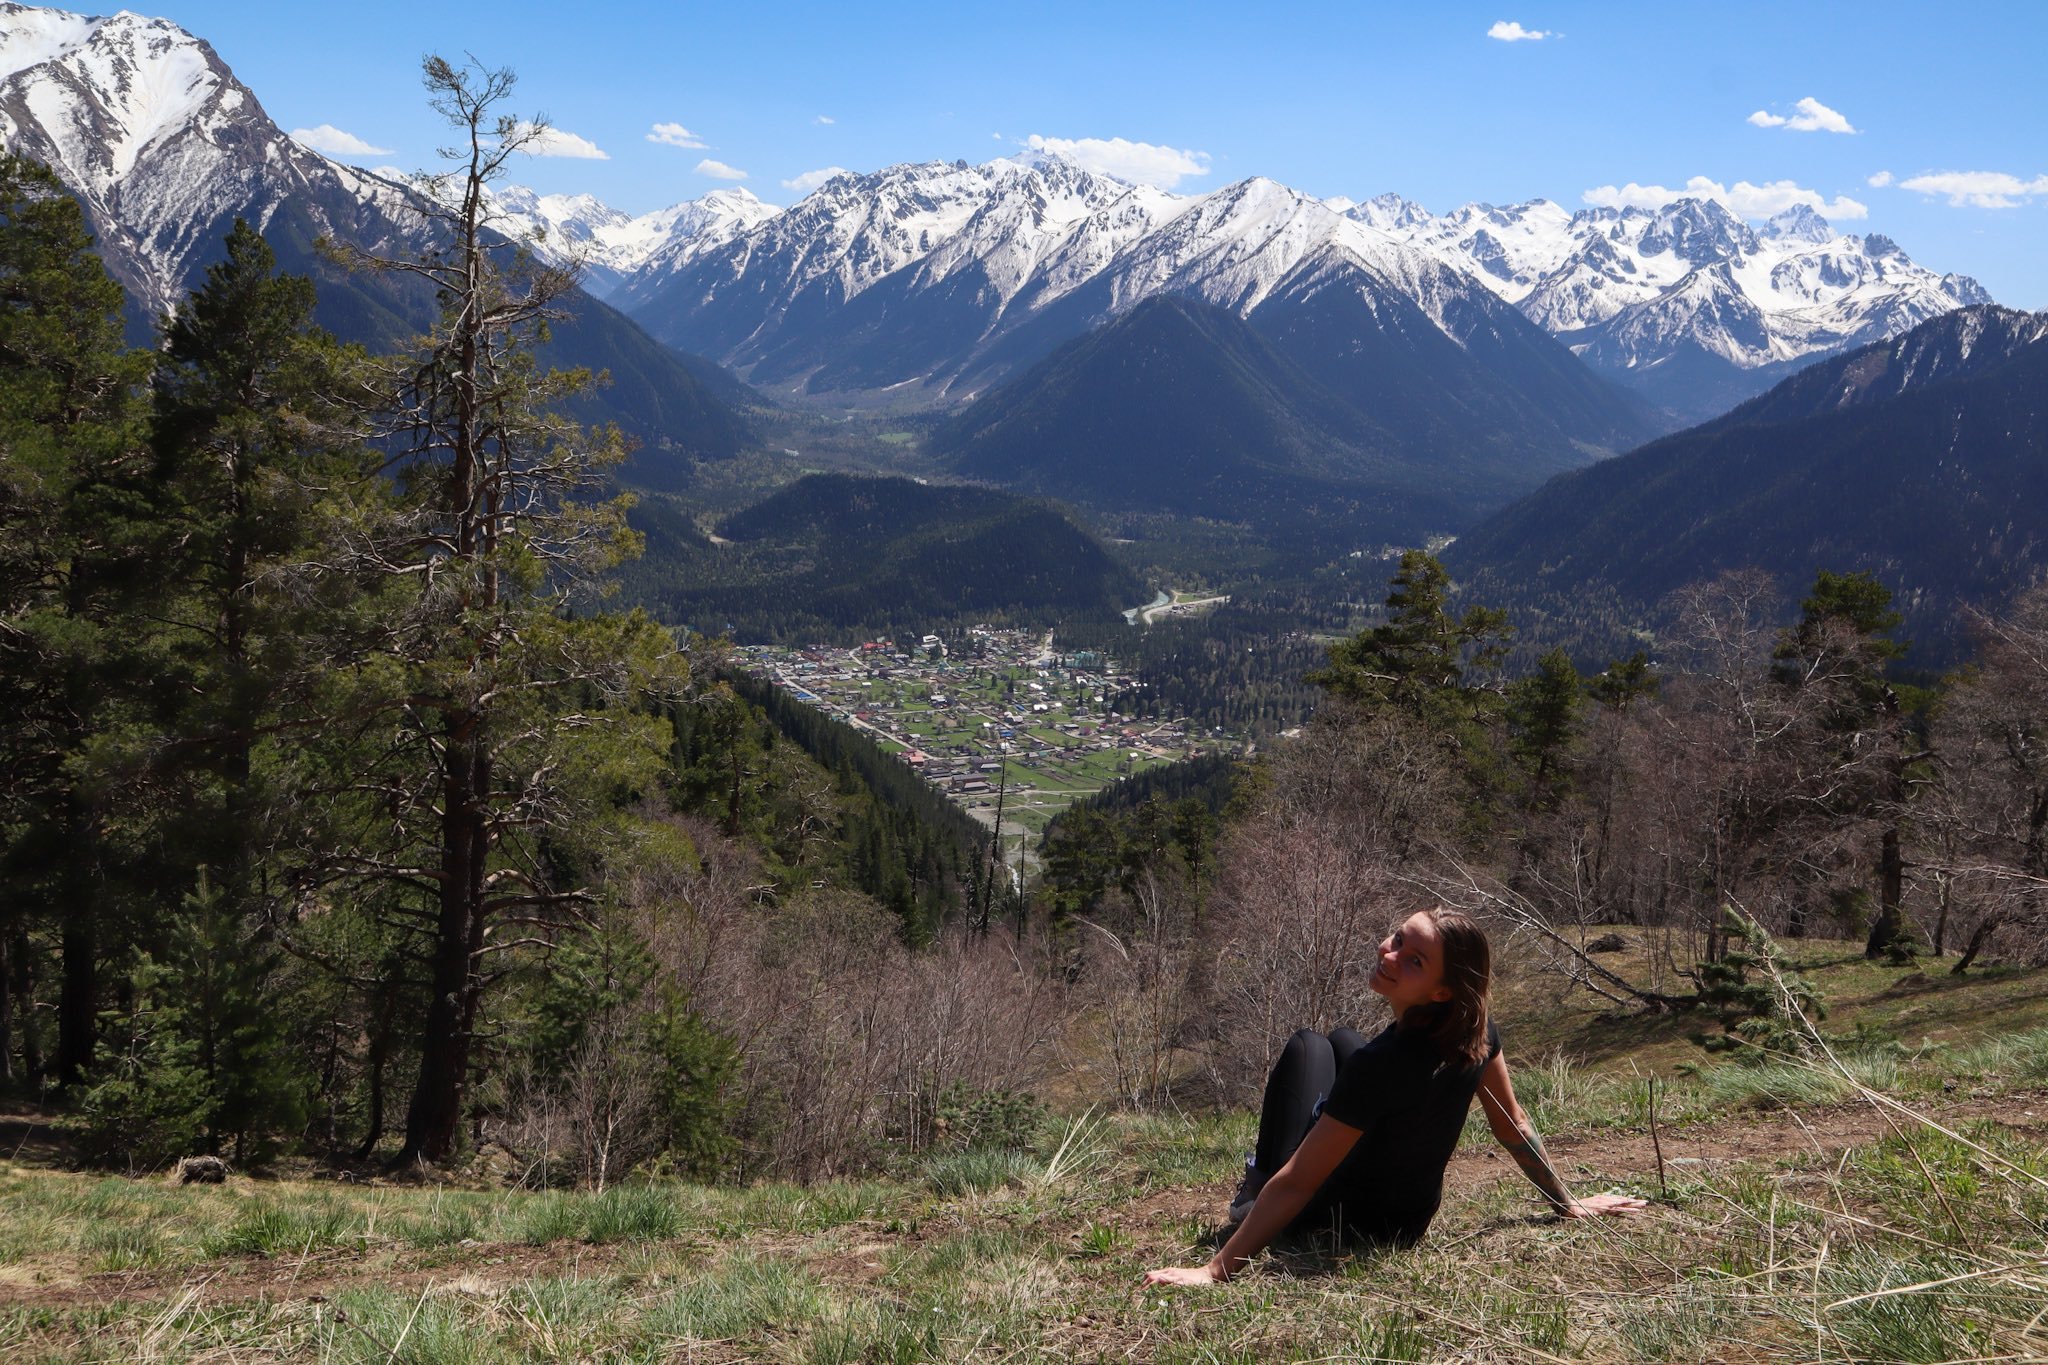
(1409, 1106)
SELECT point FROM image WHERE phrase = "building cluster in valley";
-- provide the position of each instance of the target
(993, 709)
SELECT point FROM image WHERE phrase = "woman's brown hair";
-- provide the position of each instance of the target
(1458, 1025)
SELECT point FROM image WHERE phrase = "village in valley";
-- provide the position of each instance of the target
(995, 719)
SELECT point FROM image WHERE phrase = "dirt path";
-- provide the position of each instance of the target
(1593, 1161)
(1826, 1130)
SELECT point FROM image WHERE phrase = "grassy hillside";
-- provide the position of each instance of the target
(1888, 1208)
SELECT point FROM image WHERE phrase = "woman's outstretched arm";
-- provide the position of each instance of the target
(1285, 1195)
(1512, 1129)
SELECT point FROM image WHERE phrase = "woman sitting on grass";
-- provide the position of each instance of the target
(1354, 1136)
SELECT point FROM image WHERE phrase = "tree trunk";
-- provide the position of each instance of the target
(1976, 943)
(24, 1010)
(1890, 928)
(374, 1064)
(78, 993)
(6, 1011)
(434, 1119)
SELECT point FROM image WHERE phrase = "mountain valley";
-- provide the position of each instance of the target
(1250, 388)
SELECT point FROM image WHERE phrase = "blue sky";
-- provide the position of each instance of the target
(1946, 102)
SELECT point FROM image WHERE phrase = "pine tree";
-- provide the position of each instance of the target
(201, 1060)
(1422, 659)
(1624, 682)
(1543, 713)
(1839, 650)
(1756, 992)
(1433, 668)
(246, 440)
(74, 542)
(493, 719)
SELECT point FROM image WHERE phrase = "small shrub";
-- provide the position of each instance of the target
(550, 1217)
(737, 1299)
(379, 1327)
(988, 1118)
(443, 1225)
(1392, 1340)
(1754, 988)
(124, 1247)
(876, 1334)
(1100, 1239)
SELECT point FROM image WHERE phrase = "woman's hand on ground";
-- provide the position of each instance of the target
(1594, 1205)
(1182, 1274)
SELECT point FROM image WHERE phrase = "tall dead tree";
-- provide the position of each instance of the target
(488, 710)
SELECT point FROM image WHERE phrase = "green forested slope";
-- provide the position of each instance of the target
(1940, 490)
(836, 554)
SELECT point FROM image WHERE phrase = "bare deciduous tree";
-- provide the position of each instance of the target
(1987, 816)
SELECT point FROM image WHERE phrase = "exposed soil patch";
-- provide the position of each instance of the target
(31, 1136)
(320, 1275)
(1826, 1130)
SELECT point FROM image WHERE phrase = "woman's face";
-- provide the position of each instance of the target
(1411, 965)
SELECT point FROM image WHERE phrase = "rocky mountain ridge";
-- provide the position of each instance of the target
(164, 149)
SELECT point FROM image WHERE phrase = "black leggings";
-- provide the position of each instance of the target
(1302, 1078)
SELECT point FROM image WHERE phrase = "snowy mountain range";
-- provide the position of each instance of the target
(613, 245)
(1688, 295)
(1687, 303)
(934, 280)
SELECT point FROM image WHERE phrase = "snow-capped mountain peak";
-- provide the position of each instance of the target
(1388, 212)
(1797, 224)
(1629, 288)
(104, 89)
(612, 244)
(162, 145)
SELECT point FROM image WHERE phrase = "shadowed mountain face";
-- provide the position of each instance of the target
(164, 149)
(1299, 415)
(1923, 460)
(838, 552)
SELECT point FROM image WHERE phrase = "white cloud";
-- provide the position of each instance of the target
(718, 170)
(1813, 117)
(1510, 32)
(557, 142)
(825, 119)
(332, 141)
(1978, 189)
(1880, 180)
(1742, 199)
(809, 180)
(673, 135)
(1145, 162)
